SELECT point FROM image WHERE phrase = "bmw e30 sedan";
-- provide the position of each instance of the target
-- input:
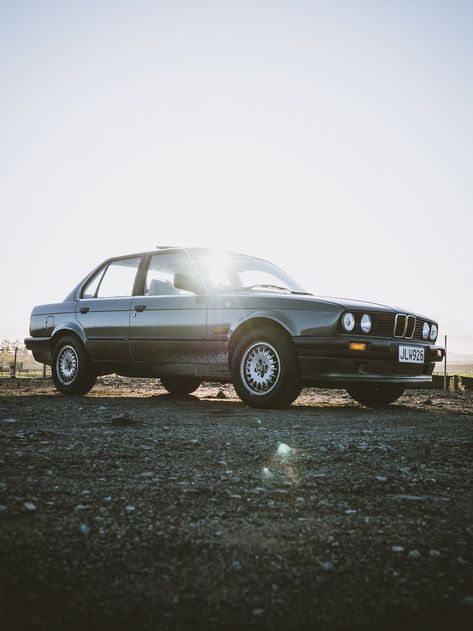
(185, 315)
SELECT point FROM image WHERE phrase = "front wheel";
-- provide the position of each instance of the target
(375, 396)
(70, 368)
(180, 385)
(265, 370)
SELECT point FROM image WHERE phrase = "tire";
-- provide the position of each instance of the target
(375, 396)
(71, 370)
(180, 385)
(265, 369)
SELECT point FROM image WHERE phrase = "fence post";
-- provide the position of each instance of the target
(44, 371)
(445, 367)
(13, 368)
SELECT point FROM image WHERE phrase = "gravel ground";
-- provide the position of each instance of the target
(129, 508)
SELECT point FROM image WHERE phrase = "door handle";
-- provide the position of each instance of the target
(139, 307)
(84, 309)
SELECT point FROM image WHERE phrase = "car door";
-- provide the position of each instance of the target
(103, 309)
(167, 324)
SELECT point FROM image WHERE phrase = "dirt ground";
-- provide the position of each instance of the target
(131, 509)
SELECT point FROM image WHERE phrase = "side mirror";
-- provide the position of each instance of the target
(188, 282)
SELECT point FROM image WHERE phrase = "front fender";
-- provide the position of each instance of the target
(257, 317)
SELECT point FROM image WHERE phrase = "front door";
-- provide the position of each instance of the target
(168, 325)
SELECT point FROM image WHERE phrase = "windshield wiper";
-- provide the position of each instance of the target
(286, 289)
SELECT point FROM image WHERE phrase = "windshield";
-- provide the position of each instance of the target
(235, 272)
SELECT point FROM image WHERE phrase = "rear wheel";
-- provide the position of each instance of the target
(180, 385)
(265, 369)
(71, 370)
(376, 396)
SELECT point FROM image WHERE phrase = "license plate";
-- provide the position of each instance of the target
(411, 354)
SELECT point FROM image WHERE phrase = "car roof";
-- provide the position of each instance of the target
(193, 252)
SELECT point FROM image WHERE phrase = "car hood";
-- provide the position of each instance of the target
(349, 303)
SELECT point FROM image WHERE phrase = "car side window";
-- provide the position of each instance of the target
(119, 278)
(160, 275)
(90, 289)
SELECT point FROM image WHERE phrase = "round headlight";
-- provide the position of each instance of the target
(348, 322)
(425, 330)
(366, 323)
(433, 332)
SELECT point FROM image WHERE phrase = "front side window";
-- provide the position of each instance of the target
(119, 278)
(160, 276)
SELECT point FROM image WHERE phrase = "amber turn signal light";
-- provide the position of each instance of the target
(357, 346)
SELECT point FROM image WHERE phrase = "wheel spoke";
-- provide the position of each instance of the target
(260, 368)
(67, 364)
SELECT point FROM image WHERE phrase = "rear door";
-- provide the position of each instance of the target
(103, 309)
(168, 325)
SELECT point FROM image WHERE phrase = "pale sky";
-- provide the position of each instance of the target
(333, 138)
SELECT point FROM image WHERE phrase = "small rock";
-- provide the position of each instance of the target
(29, 506)
(130, 508)
(398, 549)
(381, 478)
(267, 473)
(221, 395)
(235, 496)
(468, 601)
(434, 554)
(9, 420)
(3, 508)
(284, 450)
(258, 611)
(327, 566)
(414, 554)
(84, 528)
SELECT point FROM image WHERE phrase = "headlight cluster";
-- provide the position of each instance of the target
(348, 322)
(429, 331)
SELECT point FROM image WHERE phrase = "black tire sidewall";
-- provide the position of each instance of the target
(180, 385)
(84, 378)
(376, 395)
(288, 385)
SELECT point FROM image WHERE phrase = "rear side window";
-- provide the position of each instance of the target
(119, 278)
(90, 289)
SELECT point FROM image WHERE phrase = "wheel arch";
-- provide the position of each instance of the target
(252, 324)
(69, 328)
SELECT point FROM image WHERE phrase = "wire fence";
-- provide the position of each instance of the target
(455, 373)
(17, 362)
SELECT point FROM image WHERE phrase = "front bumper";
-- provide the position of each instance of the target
(331, 362)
